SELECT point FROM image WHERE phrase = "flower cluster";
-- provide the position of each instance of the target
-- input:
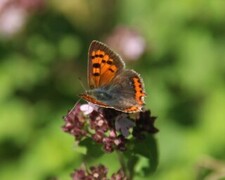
(108, 127)
(97, 173)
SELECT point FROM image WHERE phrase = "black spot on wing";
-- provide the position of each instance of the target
(96, 65)
(96, 74)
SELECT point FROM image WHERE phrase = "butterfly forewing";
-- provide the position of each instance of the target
(104, 65)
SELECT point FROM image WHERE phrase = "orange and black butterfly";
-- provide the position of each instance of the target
(111, 84)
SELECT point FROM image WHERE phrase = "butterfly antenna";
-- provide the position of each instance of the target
(81, 83)
(75, 105)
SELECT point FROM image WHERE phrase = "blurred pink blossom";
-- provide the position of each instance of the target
(14, 14)
(12, 20)
(127, 42)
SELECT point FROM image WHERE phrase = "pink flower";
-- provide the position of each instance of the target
(107, 126)
(127, 42)
(12, 19)
(14, 14)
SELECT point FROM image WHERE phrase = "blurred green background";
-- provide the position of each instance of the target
(177, 46)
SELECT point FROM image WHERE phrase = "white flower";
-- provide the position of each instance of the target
(86, 109)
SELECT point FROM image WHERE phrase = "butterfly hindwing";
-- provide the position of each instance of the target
(129, 92)
(103, 66)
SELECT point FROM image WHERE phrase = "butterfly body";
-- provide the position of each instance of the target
(111, 85)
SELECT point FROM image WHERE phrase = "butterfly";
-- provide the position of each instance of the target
(111, 84)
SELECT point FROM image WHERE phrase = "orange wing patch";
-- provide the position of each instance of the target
(139, 90)
(96, 59)
(103, 68)
(132, 109)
